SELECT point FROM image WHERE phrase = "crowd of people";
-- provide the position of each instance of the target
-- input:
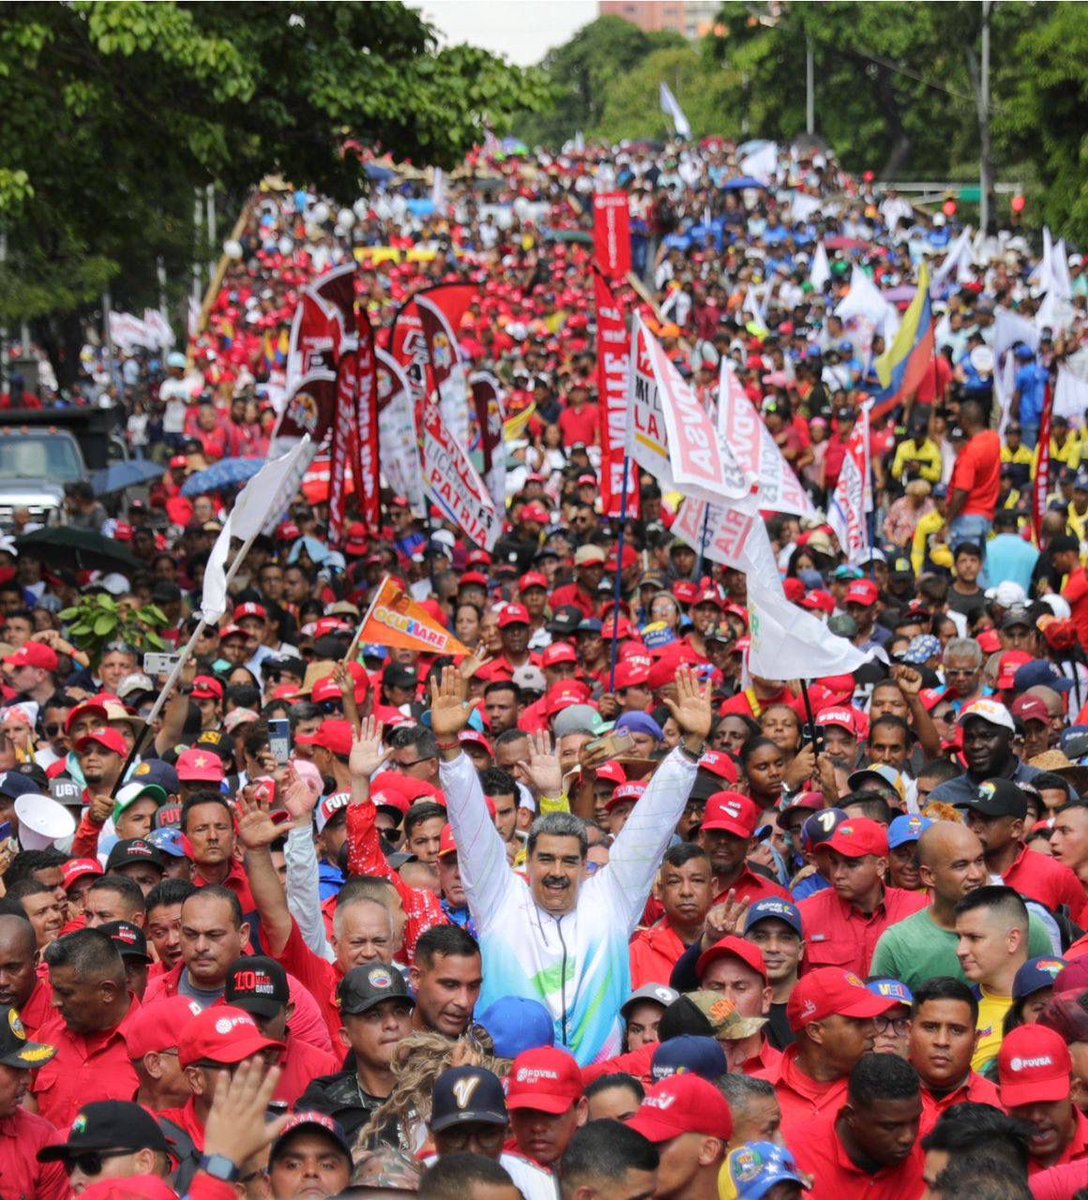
(589, 911)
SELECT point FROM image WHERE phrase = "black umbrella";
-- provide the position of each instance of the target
(63, 546)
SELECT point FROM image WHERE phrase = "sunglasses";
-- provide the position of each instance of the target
(53, 730)
(331, 706)
(90, 1162)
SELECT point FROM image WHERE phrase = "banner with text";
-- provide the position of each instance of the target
(398, 440)
(395, 619)
(454, 484)
(488, 401)
(613, 363)
(612, 233)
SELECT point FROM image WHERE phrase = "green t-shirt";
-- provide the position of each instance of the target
(916, 950)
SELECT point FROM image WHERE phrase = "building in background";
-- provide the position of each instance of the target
(691, 18)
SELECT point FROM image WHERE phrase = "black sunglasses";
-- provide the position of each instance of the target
(90, 1162)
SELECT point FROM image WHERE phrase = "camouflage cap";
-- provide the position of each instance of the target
(727, 1023)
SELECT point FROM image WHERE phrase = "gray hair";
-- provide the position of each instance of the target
(741, 1090)
(966, 648)
(559, 824)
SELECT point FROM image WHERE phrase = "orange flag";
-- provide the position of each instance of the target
(395, 619)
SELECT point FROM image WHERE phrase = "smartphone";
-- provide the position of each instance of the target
(814, 735)
(279, 739)
(159, 664)
(615, 744)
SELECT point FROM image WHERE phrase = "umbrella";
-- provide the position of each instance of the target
(65, 546)
(119, 476)
(739, 185)
(378, 174)
(567, 235)
(227, 473)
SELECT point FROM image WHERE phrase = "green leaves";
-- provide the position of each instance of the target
(99, 619)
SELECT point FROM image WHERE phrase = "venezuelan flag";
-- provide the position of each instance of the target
(903, 366)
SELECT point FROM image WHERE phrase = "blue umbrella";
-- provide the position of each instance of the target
(378, 174)
(745, 181)
(119, 476)
(227, 473)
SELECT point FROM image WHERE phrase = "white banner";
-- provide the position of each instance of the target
(397, 439)
(454, 484)
(790, 643)
(820, 271)
(1070, 397)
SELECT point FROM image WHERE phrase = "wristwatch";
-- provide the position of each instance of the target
(218, 1166)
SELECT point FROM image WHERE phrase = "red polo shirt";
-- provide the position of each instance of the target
(300, 1064)
(319, 976)
(750, 887)
(1074, 1152)
(86, 1068)
(819, 1152)
(800, 1097)
(237, 881)
(22, 1177)
(976, 1089)
(978, 473)
(766, 1060)
(39, 1007)
(654, 953)
(1049, 883)
(185, 1118)
(839, 935)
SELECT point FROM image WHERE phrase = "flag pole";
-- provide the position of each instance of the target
(702, 540)
(809, 715)
(183, 658)
(354, 647)
(617, 596)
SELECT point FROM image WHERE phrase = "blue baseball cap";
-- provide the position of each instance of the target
(780, 910)
(1040, 673)
(750, 1171)
(169, 840)
(891, 989)
(689, 1055)
(921, 649)
(154, 770)
(820, 826)
(516, 1024)
(907, 829)
(589, 625)
(1035, 975)
(640, 722)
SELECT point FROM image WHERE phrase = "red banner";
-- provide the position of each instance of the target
(337, 290)
(487, 398)
(612, 233)
(310, 407)
(316, 337)
(408, 345)
(613, 357)
(1042, 468)
(343, 442)
(366, 461)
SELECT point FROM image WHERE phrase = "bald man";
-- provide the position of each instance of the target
(924, 945)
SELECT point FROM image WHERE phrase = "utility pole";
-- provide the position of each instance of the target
(985, 181)
(810, 87)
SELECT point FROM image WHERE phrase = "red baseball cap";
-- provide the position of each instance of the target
(819, 601)
(446, 842)
(478, 558)
(199, 766)
(564, 695)
(624, 792)
(97, 705)
(845, 717)
(1008, 665)
(685, 591)
(546, 1080)
(108, 739)
(1033, 1067)
(631, 675)
(862, 591)
(33, 654)
(250, 609)
(558, 652)
(532, 579)
(475, 738)
(717, 762)
(513, 614)
(733, 947)
(229, 631)
(155, 1027)
(794, 589)
(733, 813)
(356, 541)
(222, 1035)
(207, 688)
(832, 992)
(334, 735)
(857, 837)
(681, 1104)
(1030, 708)
(612, 772)
(535, 512)
(473, 577)
(79, 868)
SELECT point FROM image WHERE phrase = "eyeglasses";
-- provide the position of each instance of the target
(90, 1162)
(900, 1026)
(54, 729)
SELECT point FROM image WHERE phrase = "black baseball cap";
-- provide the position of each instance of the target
(109, 1125)
(312, 1122)
(257, 985)
(154, 770)
(399, 676)
(129, 851)
(129, 939)
(364, 987)
(16, 1050)
(565, 620)
(464, 1094)
(997, 798)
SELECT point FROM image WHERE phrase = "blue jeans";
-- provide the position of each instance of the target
(969, 529)
(1029, 434)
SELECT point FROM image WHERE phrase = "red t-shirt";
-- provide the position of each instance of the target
(579, 426)
(819, 1152)
(978, 473)
(1076, 593)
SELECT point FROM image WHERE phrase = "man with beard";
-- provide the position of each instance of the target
(102, 754)
(870, 1146)
(988, 732)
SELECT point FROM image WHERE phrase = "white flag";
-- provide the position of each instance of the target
(820, 271)
(398, 440)
(671, 108)
(1070, 397)
(958, 257)
(265, 492)
(1009, 328)
(790, 643)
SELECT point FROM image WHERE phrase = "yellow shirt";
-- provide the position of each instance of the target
(1020, 457)
(927, 456)
(930, 524)
(1067, 455)
(991, 1027)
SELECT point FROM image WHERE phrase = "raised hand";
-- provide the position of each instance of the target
(691, 709)
(298, 797)
(367, 752)
(477, 659)
(449, 712)
(256, 829)
(236, 1126)
(909, 680)
(725, 919)
(541, 771)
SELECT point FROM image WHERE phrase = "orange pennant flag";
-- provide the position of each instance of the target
(395, 619)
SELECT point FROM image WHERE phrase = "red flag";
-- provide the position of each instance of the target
(344, 438)
(1042, 467)
(316, 337)
(612, 233)
(408, 345)
(337, 290)
(487, 396)
(613, 358)
(310, 407)
(366, 463)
